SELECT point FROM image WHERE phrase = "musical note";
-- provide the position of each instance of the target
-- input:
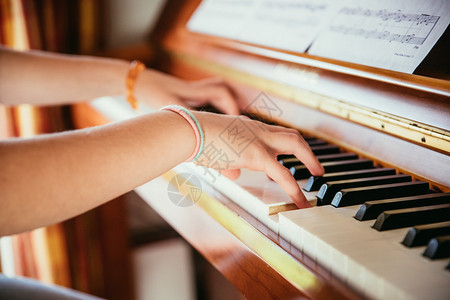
(390, 34)
(368, 32)
(282, 24)
(407, 28)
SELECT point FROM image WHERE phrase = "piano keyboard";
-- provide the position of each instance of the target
(378, 231)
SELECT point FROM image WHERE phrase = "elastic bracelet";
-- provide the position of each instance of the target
(135, 68)
(190, 118)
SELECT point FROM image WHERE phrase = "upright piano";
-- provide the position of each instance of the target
(379, 227)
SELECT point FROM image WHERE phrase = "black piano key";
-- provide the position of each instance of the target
(399, 218)
(371, 209)
(325, 149)
(337, 157)
(328, 190)
(438, 247)
(315, 142)
(289, 162)
(293, 161)
(308, 139)
(420, 235)
(315, 182)
(353, 196)
(301, 172)
(318, 149)
(285, 156)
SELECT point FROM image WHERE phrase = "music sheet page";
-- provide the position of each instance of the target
(283, 24)
(394, 35)
(389, 34)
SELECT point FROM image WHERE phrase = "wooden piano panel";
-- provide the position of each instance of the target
(237, 244)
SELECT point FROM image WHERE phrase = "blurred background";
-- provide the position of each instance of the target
(122, 250)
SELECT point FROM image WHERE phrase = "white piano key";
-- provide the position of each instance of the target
(284, 229)
(271, 221)
(253, 191)
(375, 263)
(297, 238)
(290, 232)
(421, 278)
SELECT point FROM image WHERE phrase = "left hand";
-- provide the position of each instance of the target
(157, 89)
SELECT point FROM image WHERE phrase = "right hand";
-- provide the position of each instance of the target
(235, 142)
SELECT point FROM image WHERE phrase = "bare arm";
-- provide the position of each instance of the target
(50, 178)
(44, 78)
(53, 177)
(37, 77)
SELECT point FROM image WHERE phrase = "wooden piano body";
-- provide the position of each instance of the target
(398, 120)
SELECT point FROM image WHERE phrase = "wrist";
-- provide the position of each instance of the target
(178, 136)
(195, 126)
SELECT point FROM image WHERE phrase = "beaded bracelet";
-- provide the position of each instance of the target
(190, 118)
(136, 67)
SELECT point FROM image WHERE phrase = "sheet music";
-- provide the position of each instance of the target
(395, 35)
(284, 24)
(289, 24)
(390, 34)
(223, 18)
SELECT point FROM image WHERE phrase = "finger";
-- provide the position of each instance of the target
(284, 178)
(289, 141)
(282, 129)
(231, 174)
(224, 100)
(216, 92)
(293, 143)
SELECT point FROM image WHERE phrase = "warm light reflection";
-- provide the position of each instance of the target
(18, 38)
(26, 120)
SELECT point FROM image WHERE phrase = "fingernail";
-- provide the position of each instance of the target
(301, 202)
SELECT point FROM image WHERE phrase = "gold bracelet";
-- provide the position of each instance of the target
(136, 67)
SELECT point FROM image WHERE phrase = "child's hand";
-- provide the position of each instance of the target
(157, 89)
(235, 142)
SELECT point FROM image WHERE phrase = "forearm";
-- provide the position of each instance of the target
(44, 78)
(70, 173)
